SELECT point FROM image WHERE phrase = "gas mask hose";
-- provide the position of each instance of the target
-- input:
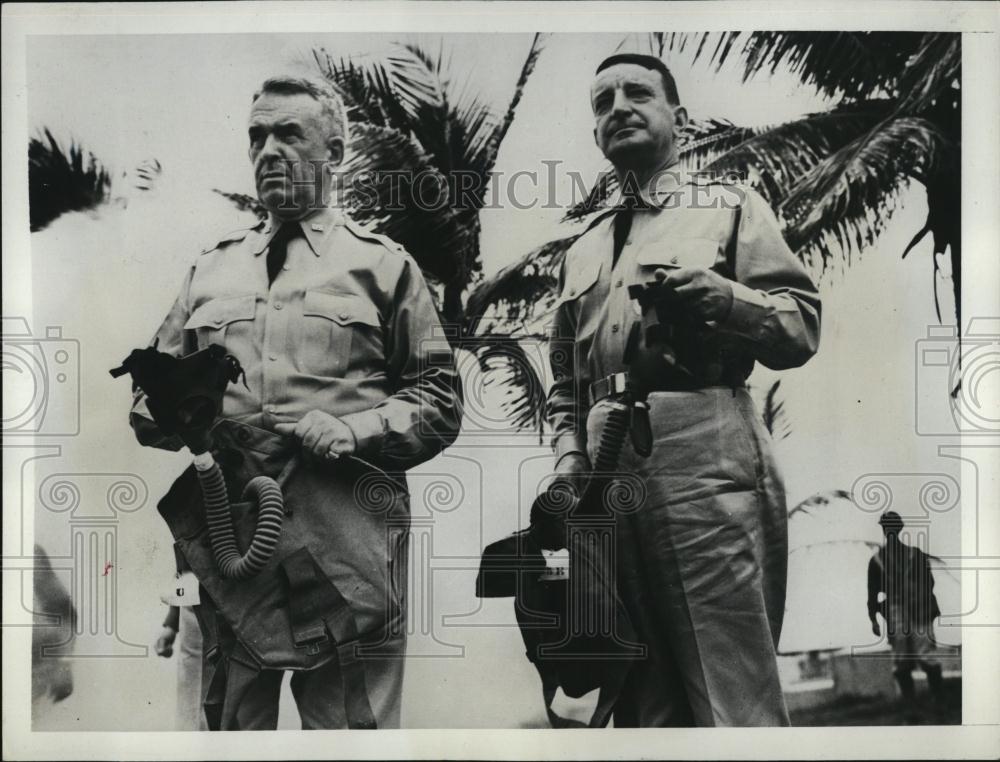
(613, 434)
(266, 493)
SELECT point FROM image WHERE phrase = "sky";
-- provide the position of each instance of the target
(108, 278)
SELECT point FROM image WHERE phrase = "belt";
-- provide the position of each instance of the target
(622, 383)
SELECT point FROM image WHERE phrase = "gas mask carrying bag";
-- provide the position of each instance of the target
(327, 582)
(575, 628)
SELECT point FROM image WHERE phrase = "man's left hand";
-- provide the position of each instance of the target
(707, 294)
(323, 436)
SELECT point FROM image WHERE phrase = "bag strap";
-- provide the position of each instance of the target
(319, 614)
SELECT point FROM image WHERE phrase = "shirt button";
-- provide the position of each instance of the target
(628, 242)
(572, 292)
(344, 316)
(270, 409)
(272, 357)
(619, 283)
(278, 305)
(614, 328)
(673, 260)
(286, 267)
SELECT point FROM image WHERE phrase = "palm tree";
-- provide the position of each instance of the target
(412, 130)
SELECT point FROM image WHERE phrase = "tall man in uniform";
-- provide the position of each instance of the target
(330, 323)
(702, 563)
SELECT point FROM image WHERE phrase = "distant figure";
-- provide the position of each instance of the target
(53, 624)
(901, 574)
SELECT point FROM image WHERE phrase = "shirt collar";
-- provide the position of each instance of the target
(660, 187)
(316, 226)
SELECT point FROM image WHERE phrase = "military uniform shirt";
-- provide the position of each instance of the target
(775, 315)
(347, 327)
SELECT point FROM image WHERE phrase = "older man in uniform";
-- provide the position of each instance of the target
(332, 325)
(702, 562)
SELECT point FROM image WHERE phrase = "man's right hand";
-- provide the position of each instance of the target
(165, 643)
(876, 630)
(571, 473)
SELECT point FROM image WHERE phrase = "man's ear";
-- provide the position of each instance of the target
(335, 150)
(596, 142)
(680, 118)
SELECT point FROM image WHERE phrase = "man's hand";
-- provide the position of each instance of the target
(876, 630)
(571, 473)
(165, 643)
(322, 435)
(707, 294)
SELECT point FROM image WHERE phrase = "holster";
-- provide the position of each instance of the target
(324, 594)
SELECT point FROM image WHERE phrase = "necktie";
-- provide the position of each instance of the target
(277, 250)
(623, 225)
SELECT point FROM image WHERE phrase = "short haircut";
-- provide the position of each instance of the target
(320, 90)
(647, 62)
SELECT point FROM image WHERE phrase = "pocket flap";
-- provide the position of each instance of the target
(217, 313)
(340, 308)
(681, 252)
(580, 281)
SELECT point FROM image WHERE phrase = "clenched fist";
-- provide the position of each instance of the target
(323, 436)
(707, 294)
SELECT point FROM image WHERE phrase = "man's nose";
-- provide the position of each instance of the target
(270, 150)
(621, 104)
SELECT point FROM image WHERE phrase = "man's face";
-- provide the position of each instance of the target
(290, 139)
(635, 123)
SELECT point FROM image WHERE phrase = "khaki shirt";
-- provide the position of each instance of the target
(775, 316)
(347, 327)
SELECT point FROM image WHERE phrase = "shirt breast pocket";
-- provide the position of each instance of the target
(578, 282)
(699, 253)
(340, 333)
(227, 321)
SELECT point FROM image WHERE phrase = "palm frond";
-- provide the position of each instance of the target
(843, 65)
(820, 500)
(773, 413)
(62, 180)
(930, 71)
(852, 193)
(505, 363)
(244, 202)
(519, 293)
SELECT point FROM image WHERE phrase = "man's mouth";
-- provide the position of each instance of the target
(624, 131)
(272, 177)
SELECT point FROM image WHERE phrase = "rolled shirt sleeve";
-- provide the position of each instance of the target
(423, 414)
(776, 306)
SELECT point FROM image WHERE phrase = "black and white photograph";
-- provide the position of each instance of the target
(528, 380)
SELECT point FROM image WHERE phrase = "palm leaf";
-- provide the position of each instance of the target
(521, 292)
(819, 500)
(62, 180)
(504, 362)
(773, 413)
(852, 193)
